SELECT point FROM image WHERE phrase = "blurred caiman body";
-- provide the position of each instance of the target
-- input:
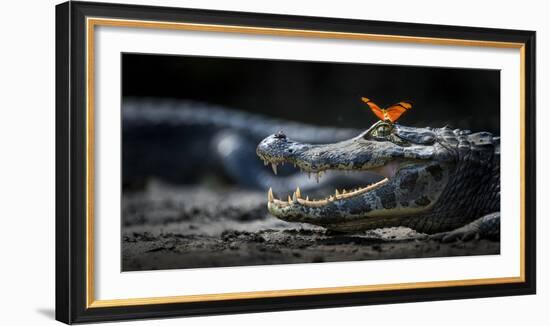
(190, 142)
(434, 180)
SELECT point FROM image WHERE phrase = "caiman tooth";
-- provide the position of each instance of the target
(266, 163)
(270, 195)
(344, 191)
(274, 167)
(330, 198)
(294, 197)
(298, 192)
(289, 200)
(317, 177)
(336, 192)
(307, 198)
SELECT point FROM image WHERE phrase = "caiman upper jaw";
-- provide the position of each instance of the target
(350, 155)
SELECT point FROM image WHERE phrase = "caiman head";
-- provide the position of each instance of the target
(415, 166)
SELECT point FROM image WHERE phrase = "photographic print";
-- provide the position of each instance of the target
(213, 162)
(241, 162)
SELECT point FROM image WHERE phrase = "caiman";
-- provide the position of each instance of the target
(438, 181)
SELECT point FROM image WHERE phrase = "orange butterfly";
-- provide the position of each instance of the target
(390, 113)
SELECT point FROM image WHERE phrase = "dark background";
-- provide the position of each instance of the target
(321, 93)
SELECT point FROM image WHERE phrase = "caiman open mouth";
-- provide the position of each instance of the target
(385, 172)
(406, 179)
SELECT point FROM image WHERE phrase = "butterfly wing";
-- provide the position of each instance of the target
(394, 112)
(375, 108)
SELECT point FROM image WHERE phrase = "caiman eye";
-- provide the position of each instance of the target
(382, 131)
(385, 132)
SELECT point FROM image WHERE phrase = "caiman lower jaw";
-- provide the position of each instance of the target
(344, 194)
(386, 171)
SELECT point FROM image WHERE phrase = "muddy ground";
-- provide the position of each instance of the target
(167, 227)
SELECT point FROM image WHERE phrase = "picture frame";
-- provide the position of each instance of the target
(76, 129)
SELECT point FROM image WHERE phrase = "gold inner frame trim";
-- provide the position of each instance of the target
(91, 22)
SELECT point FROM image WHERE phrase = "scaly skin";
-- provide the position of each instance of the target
(435, 181)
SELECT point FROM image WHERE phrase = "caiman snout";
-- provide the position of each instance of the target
(278, 148)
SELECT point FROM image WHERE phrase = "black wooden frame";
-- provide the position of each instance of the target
(71, 161)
